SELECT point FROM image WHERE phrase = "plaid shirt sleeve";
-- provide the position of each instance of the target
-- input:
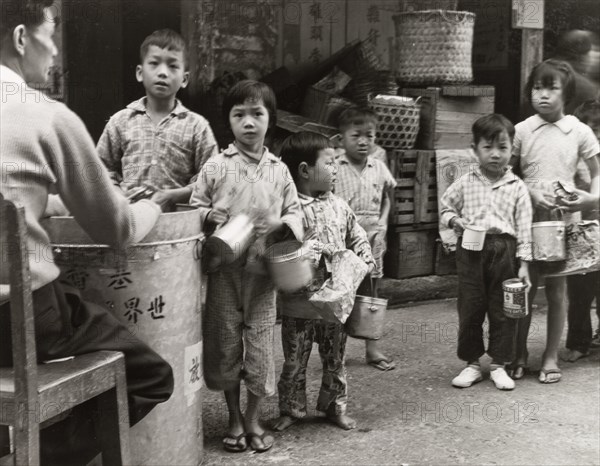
(205, 146)
(451, 203)
(110, 151)
(523, 220)
(356, 238)
(291, 213)
(202, 193)
(389, 182)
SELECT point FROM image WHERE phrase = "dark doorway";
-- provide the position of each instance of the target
(102, 50)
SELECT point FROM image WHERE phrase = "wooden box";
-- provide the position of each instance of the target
(415, 198)
(445, 261)
(410, 251)
(448, 113)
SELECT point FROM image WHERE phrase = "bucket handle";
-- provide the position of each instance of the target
(373, 290)
(198, 247)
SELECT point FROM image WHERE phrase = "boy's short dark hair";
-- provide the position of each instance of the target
(253, 91)
(588, 111)
(30, 13)
(164, 39)
(356, 116)
(490, 126)
(302, 147)
(547, 71)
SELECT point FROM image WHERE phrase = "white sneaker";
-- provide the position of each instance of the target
(501, 379)
(468, 376)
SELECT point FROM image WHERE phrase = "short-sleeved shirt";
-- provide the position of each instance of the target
(168, 155)
(551, 151)
(234, 183)
(363, 191)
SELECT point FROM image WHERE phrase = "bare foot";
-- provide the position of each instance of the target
(573, 355)
(283, 422)
(341, 420)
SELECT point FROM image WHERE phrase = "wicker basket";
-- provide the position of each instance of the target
(398, 123)
(434, 47)
(371, 82)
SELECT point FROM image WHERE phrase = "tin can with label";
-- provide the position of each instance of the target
(515, 298)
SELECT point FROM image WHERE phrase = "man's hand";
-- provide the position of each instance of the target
(371, 268)
(584, 201)
(217, 217)
(458, 225)
(541, 199)
(164, 199)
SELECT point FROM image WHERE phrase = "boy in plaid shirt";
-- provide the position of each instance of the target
(491, 197)
(156, 140)
(366, 184)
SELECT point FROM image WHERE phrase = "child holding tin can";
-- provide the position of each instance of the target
(492, 198)
(239, 317)
(548, 147)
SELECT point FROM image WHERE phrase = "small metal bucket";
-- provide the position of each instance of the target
(289, 266)
(367, 318)
(515, 298)
(232, 239)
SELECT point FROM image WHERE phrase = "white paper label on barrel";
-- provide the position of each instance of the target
(193, 369)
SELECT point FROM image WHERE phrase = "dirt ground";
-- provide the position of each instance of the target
(412, 415)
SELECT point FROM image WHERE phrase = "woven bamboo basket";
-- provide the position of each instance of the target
(434, 47)
(398, 123)
(371, 82)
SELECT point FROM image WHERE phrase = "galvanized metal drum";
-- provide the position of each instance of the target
(154, 288)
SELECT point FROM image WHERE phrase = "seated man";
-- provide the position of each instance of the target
(46, 149)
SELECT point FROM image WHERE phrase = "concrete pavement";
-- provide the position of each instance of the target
(412, 415)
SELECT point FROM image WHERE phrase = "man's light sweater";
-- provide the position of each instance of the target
(45, 149)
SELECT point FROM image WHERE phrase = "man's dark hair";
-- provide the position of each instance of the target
(549, 70)
(588, 111)
(491, 126)
(252, 91)
(164, 39)
(27, 12)
(302, 147)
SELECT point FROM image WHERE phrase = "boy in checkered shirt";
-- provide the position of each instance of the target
(493, 198)
(366, 184)
(156, 141)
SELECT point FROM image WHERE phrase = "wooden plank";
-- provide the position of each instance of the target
(468, 105)
(469, 91)
(453, 141)
(453, 122)
(532, 51)
(403, 219)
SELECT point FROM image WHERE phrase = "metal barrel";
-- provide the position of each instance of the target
(154, 288)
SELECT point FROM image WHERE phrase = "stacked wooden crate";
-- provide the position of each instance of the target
(447, 114)
(413, 215)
